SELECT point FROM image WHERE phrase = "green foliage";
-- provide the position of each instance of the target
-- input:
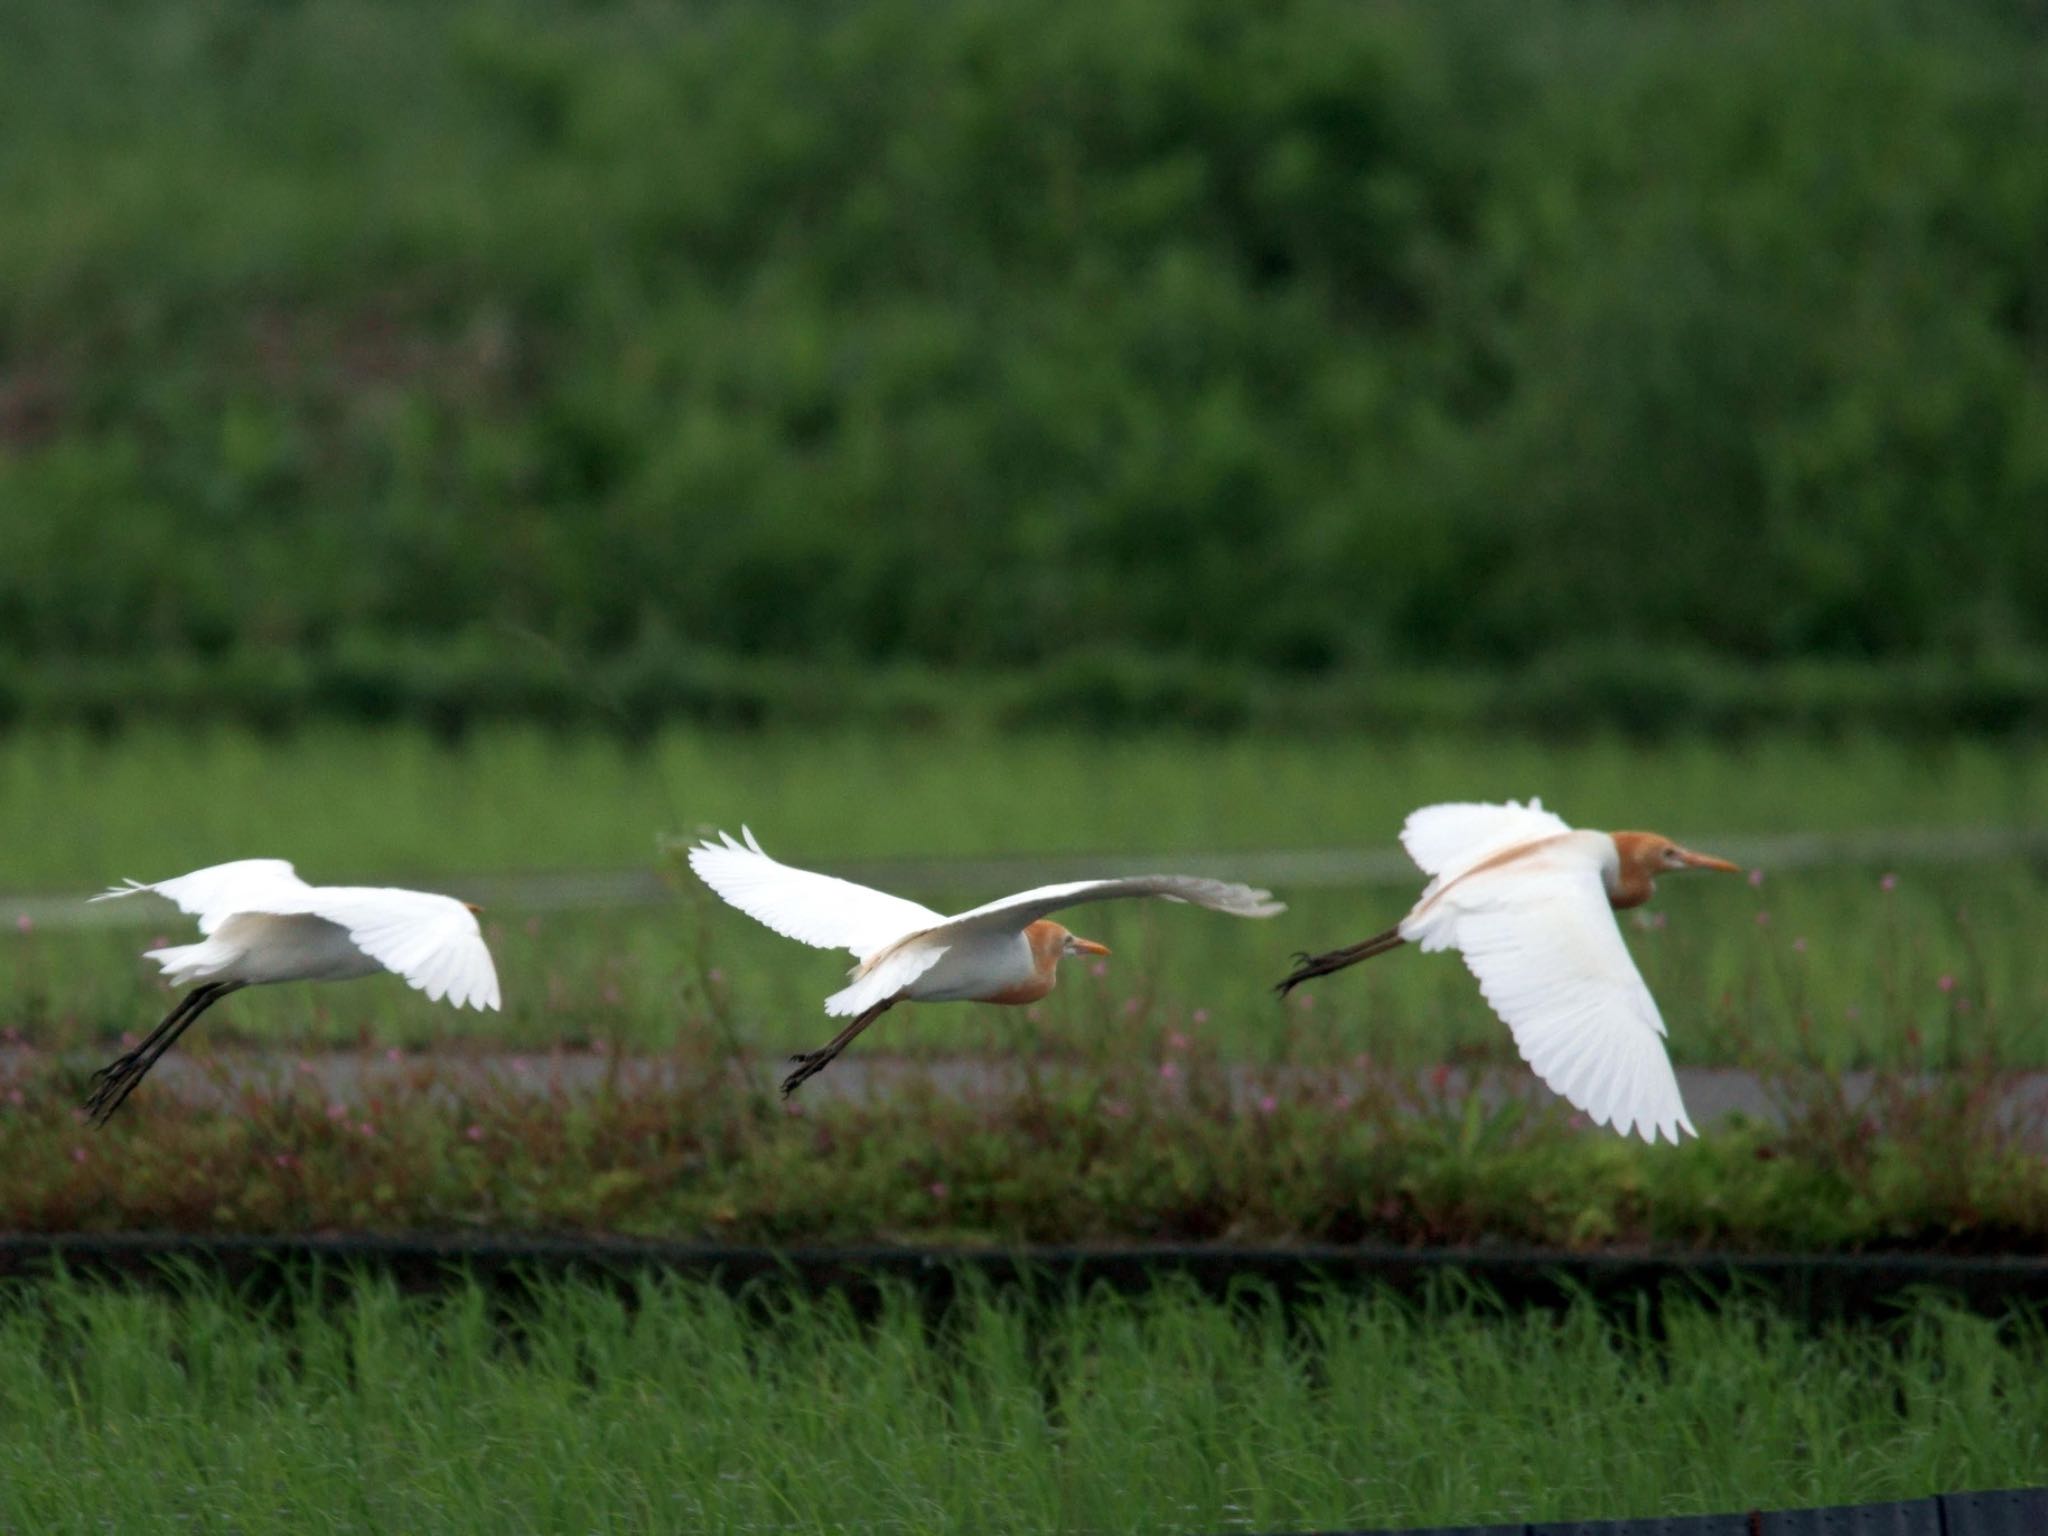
(676, 1407)
(341, 344)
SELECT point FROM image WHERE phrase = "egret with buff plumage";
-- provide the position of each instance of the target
(1007, 951)
(1529, 903)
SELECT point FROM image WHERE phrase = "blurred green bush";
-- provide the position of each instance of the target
(1177, 358)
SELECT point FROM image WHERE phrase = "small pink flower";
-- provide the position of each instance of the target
(284, 1160)
(1947, 983)
(1267, 1103)
(1342, 1102)
(1305, 1001)
(336, 1111)
(714, 975)
(1131, 1006)
(305, 1067)
(475, 1133)
(1756, 879)
(366, 1129)
(1888, 881)
(1799, 946)
(599, 1047)
(15, 1096)
(1099, 968)
(1763, 919)
(394, 1054)
(1440, 1078)
(78, 1154)
(937, 1189)
(25, 924)
(519, 1065)
(1116, 1109)
(160, 941)
(1199, 1017)
(1176, 1041)
(1169, 1070)
(1032, 1015)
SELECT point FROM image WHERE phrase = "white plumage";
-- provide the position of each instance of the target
(1004, 951)
(1529, 903)
(260, 923)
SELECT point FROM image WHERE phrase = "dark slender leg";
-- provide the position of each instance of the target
(1307, 967)
(811, 1063)
(117, 1079)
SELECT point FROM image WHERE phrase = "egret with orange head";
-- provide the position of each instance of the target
(1007, 951)
(1529, 903)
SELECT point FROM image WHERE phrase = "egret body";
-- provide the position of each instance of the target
(261, 923)
(1528, 902)
(1007, 951)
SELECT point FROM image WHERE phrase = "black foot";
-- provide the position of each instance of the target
(808, 1065)
(112, 1084)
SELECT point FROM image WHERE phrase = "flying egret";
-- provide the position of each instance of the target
(1529, 903)
(262, 923)
(1004, 952)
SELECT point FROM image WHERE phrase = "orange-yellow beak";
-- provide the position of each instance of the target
(472, 906)
(1090, 947)
(1707, 861)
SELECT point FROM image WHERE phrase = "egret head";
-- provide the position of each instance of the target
(1650, 854)
(1076, 945)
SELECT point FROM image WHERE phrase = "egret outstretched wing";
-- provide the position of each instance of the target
(1447, 840)
(1540, 937)
(218, 892)
(432, 941)
(1015, 912)
(820, 910)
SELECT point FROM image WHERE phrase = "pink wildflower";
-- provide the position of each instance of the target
(1169, 1070)
(366, 1129)
(1267, 1103)
(1888, 881)
(475, 1133)
(1131, 1006)
(937, 1189)
(1763, 919)
(25, 924)
(1799, 946)
(1756, 879)
(1947, 983)
(78, 1154)
(1176, 1041)
(1099, 968)
(1199, 1017)
(336, 1111)
(393, 1053)
(284, 1160)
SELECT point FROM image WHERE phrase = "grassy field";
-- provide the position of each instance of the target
(682, 1410)
(1825, 961)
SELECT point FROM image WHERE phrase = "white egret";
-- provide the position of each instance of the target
(1004, 952)
(1529, 903)
(262, 923)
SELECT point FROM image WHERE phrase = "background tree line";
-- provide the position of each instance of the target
(1191, 356)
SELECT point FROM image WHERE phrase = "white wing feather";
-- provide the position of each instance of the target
(1539, 935)
(217, 893)
(1016, 912)
(1444, 840)
(820, 910)
(432, 941)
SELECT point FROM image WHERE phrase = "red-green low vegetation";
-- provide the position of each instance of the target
(1151, 1143)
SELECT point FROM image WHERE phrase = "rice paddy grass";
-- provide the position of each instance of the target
(678, 1407)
